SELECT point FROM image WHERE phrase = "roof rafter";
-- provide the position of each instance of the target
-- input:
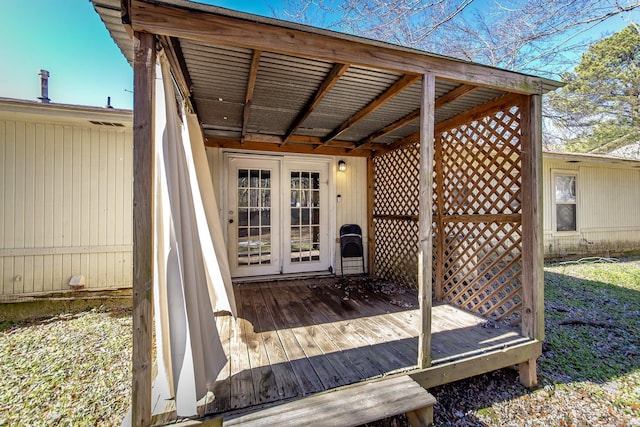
(415, 114)
(329, 81)
(173, 51)
(251, 85)
(498, 104)
(401, 84)
(445, 99)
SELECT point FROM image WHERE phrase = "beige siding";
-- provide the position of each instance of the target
(608, 209)
(351, 185)
(65, 190)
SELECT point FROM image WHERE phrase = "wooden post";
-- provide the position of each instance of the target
(143, 192)
(426, 201)
(532, 246)
(441, 239)
(371, 228)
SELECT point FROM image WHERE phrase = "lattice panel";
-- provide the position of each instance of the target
(398, 182)
(483, 268)
(396, 208)
(396, 256)
(481, 166)
(481, 175)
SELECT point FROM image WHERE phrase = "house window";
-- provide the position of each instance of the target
(566, 207)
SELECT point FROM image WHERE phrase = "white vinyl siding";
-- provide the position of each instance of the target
(351, 185)
(607, 208)
(66, 208)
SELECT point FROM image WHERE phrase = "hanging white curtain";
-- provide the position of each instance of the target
(191, 277)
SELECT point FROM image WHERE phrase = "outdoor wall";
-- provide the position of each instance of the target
(351, 185)
(607, 206)
(65, 195)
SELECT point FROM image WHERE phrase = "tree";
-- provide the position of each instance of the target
(600, 104)
(541, 37)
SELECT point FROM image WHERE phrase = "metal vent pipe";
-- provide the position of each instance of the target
(44, 86)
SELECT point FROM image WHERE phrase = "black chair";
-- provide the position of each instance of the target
(351, 244)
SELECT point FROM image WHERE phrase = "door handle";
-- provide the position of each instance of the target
(231, 221)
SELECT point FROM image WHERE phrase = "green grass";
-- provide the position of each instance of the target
(606, 298)
(70, 370)
(592, 324)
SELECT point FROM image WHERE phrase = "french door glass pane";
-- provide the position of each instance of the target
(254, 217)
(305, 216)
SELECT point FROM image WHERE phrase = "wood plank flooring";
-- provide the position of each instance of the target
(298, 337)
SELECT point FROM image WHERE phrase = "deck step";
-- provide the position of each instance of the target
(348, 406)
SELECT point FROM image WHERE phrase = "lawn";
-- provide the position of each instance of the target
(75, 369)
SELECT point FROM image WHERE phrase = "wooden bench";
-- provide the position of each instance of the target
(348, 406)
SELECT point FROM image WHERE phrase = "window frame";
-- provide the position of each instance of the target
(572, 173)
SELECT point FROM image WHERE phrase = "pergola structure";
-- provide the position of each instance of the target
(453, 155)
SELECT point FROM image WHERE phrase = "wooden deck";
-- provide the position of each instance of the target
(299, 337)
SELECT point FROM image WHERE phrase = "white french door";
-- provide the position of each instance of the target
(277, 215)
(253, 216)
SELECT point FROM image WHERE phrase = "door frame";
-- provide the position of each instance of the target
(223, 179)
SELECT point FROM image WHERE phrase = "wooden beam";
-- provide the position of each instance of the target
(144, 67)
(404, 142)
(454, 95)
(125, 15)
(445, 99)
(483, 218)
(453, 371)
(306, 42)
(425, 211)
(274, 146)
(477, 113)
(329, 81)
(274, 139)
(402, 83)
(251, 85)
(532, 245)
(173, 51)
(481, 111)
(414, 115)
(371, 228)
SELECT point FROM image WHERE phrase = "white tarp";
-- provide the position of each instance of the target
(191, 276)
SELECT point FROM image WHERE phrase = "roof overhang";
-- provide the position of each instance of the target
(591, 159)
(63, 113)
(261, 83)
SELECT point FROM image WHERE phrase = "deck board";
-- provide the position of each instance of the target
(300, 337)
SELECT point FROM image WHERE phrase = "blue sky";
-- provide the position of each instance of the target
(67, 38)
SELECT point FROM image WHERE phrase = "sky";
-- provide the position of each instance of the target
(67, 38)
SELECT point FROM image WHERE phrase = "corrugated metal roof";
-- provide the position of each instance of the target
(285, 84)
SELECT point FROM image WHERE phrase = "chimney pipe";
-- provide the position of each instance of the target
(44, 86)
(108, 103)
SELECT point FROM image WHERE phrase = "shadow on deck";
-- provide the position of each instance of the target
(299, 337)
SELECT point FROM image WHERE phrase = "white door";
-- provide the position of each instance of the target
(253, 216)
(306, 217)
(277, 214)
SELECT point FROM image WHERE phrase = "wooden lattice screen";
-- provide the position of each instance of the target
(478, 187)
(395, 215)
(477, 215)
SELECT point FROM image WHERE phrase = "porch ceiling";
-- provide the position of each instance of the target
(249, 96)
